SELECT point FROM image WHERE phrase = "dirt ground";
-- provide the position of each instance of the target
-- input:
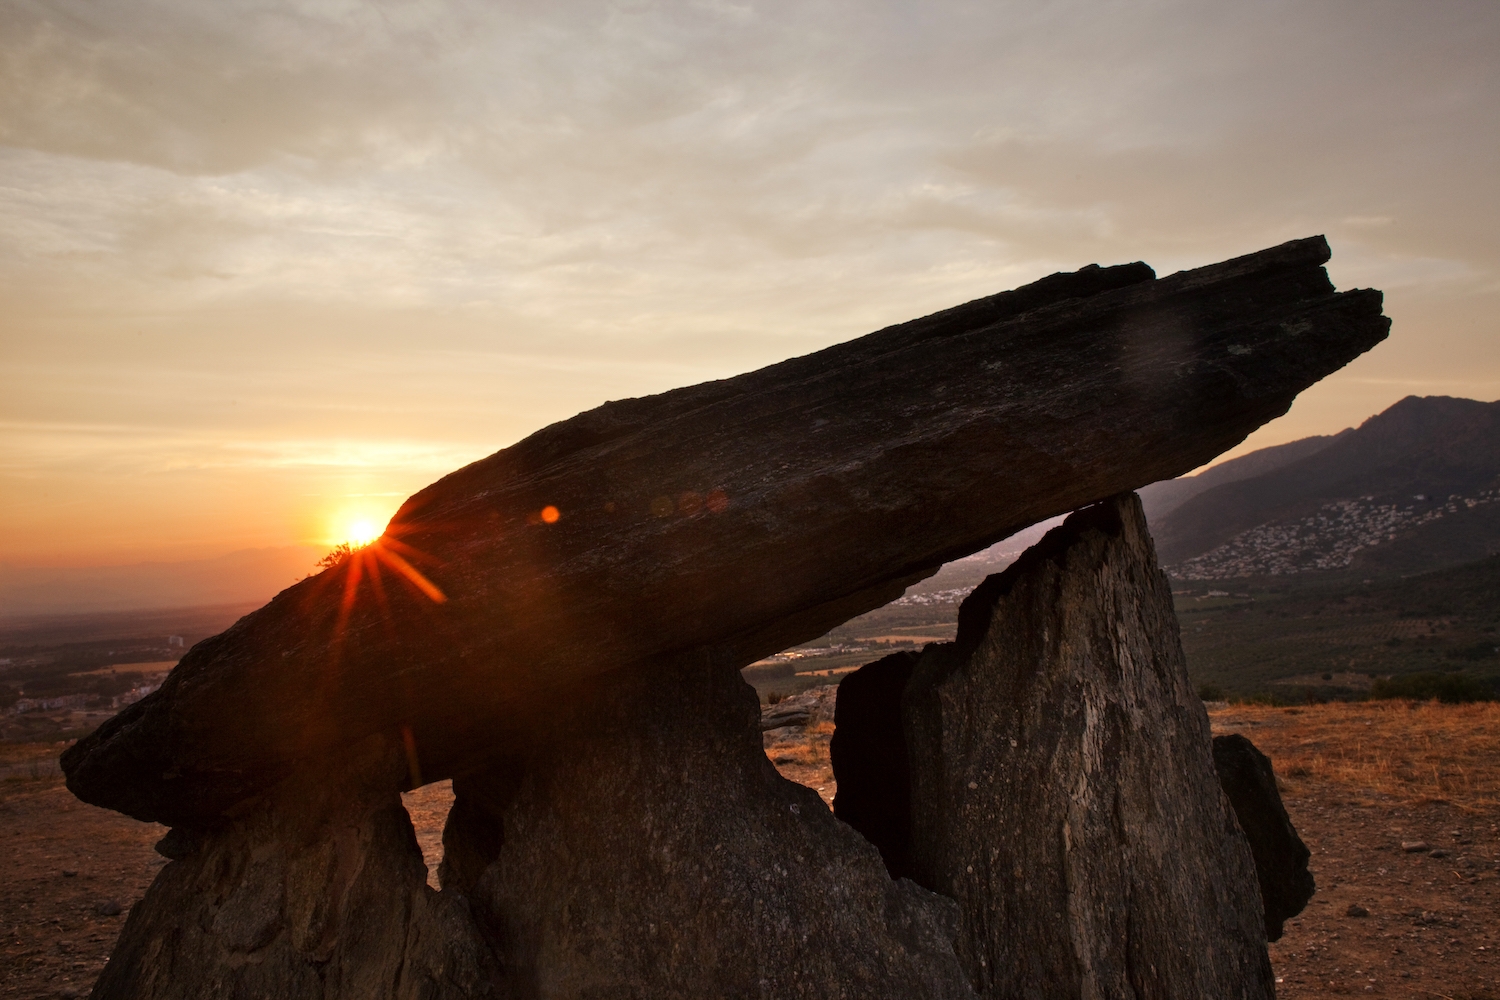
(1361, 780)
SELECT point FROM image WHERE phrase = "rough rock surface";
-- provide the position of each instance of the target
(734, 518)
(869, 758)
(645, 847)
(317, 891)
(1280, 856)
(1063, 788)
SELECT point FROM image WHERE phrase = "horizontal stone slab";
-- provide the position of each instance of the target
(730, 519)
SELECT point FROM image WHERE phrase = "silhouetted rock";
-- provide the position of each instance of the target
(645, 847)
(316, 891)
(868, 753)
(1063, 787)
(733, 518)
(1280, 856)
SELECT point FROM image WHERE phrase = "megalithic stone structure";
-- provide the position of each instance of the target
(728, 520)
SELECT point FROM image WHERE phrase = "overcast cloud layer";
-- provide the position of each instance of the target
(264, 265)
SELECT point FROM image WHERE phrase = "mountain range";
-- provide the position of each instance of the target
(1414, 488)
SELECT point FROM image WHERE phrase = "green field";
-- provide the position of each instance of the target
(1303, 628)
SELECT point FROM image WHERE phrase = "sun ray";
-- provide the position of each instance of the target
(406, 569)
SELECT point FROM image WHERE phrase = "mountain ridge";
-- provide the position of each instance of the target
(1379, 489)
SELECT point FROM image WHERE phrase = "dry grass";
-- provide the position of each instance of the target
(27, 767)
(803, 757)
(154, 667)
(1381, 751)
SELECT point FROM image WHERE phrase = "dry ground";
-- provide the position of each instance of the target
(1360, 780)
(1363, 779)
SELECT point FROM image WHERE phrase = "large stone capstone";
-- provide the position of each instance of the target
(728, 520)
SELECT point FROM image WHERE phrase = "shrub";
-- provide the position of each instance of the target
(335, 556)
(1451, 689)
(1210, 692)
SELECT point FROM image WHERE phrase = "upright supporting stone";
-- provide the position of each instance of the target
(646, 847)
(316, 891)
(1063, 786)
(870, 761)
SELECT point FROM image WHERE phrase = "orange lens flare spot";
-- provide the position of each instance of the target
(550, 514)
(717, 501)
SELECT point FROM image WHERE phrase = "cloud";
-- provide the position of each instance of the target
(459, 220)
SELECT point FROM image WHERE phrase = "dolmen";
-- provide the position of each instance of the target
(1033, 810)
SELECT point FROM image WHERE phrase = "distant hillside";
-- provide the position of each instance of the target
(1332, 635)
(1413, 488)
(248, 576)
(1160, 499)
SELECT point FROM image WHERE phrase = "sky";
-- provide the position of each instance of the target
(267, 268)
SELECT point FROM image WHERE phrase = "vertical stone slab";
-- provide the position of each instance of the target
(868, 753)
(1063, 786)
(646, 848)
(316, 891)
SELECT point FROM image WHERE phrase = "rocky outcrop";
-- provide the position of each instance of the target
(730, 520)
(316, 890)
(1280, 856)
(1063, 788)
(645, 847)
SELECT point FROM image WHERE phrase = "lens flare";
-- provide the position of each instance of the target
(361, 532)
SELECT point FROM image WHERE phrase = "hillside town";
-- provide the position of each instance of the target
(1326, 540)
(938, 597)
(79, 702)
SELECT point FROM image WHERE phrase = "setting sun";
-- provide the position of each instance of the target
(361, 533)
